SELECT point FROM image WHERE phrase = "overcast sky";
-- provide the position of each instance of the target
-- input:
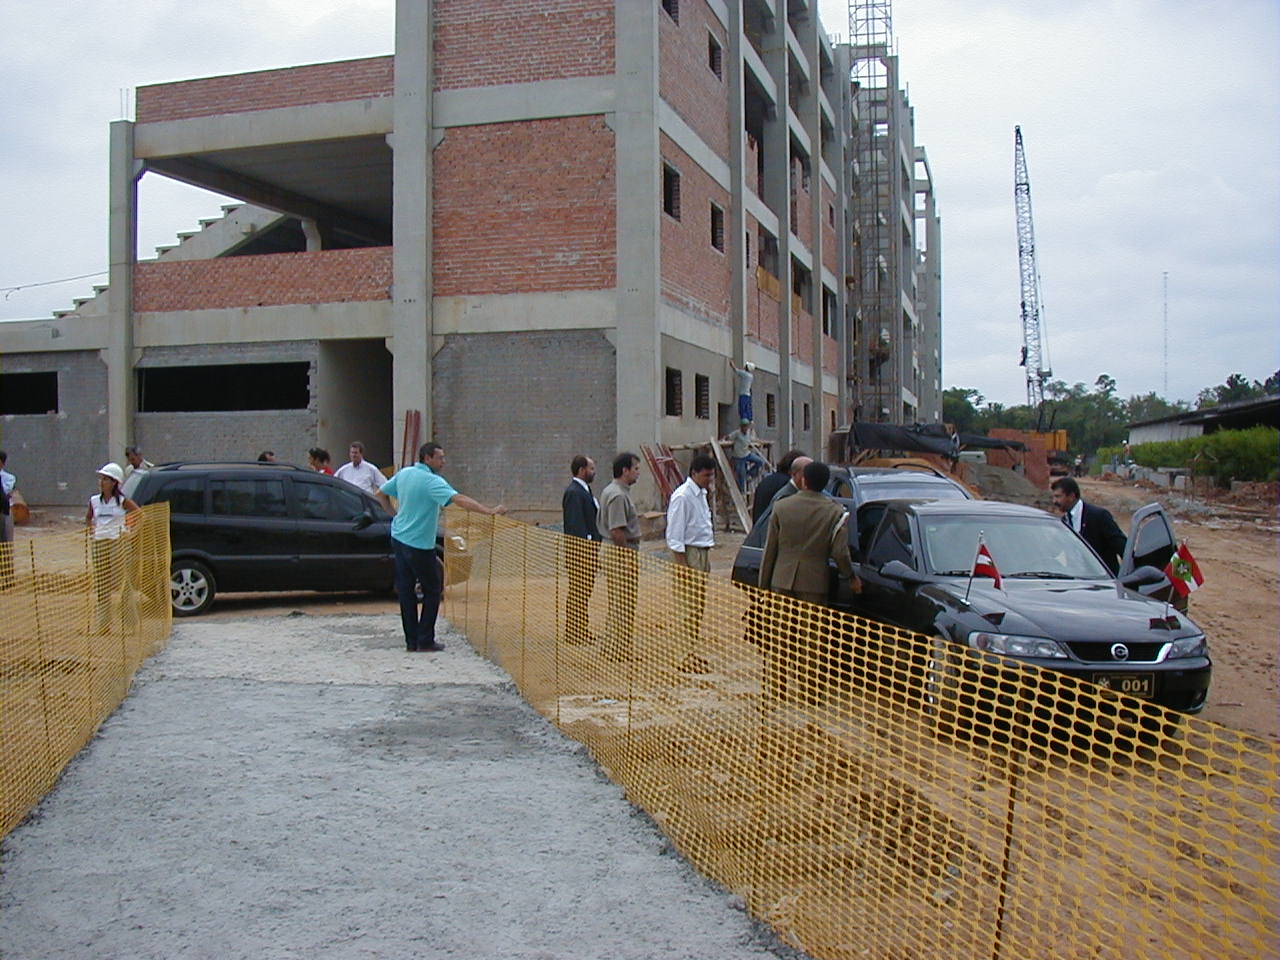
(1151, 129)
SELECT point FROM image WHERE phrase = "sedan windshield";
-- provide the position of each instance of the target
(1025, 547)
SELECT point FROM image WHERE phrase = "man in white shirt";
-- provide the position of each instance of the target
(360, 472)
(690, 539)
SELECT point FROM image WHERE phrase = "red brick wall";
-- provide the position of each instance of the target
(486, 42)
(524, 207)
(685, 80)
(830, 354)
(801, 215)
(695, 275)
(751, 172)
(267, 89)
(801, 335)
(762, 307)
(830, 251)
(326, 276)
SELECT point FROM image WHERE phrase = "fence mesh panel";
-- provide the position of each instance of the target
(77, 618)
(871, 792)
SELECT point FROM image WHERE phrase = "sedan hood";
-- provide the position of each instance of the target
(1070, 610)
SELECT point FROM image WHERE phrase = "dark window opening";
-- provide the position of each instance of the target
(770, 410)
(768, 250)
(831, 215)
(829, 307)
(670, 191)
(672, 7)
(833, 420)
(715, 56)
(223, 387)
(675, 393)
(27, 393)
(702, 397)
(747, 247)
(806, 415)
(717, 228)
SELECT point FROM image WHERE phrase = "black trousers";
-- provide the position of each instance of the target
(414, 566)
(582, 560)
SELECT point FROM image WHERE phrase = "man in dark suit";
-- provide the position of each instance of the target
(579, 508)
(771, 484)
(1094, 525)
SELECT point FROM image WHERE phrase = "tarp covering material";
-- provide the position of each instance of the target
(923, 438)
(974, 441)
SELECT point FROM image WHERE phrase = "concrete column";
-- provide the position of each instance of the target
(412, 144)
(737, 181)
(844, 216)
(776, 193)
(122, 245)
(811, 117)
(639, 189)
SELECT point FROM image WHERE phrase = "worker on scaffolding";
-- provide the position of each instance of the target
(746, 461)
(746, 375)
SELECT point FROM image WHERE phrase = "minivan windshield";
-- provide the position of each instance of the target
(1027, 547)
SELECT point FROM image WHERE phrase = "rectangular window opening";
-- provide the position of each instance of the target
(672, 8)
(747, 247)
(675, 393)
(806, 414)
(770, 410)
(27, 393)
(717, 228)
(224, 387)
(715, 56)
(702, 396)
(670, 191)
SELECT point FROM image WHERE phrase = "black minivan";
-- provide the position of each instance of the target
(265, 527)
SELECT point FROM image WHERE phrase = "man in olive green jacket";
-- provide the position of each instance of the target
(805, 531)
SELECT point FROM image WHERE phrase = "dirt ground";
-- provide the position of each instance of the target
(1236, 542)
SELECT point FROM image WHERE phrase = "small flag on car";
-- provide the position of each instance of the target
(1183, 571)
(983, 565)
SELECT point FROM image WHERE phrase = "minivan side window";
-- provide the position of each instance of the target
(248, 498)
(183, 494)
(319, 501)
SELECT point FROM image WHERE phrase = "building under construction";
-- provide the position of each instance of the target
(549, 245)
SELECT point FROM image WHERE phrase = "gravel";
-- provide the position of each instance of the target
(299, 786)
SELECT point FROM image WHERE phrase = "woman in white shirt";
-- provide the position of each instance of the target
(107, 518)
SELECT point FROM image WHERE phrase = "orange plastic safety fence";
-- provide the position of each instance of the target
(875, 793)
(77, 618)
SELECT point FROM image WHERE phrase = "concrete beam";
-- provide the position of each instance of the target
(512, 102)
(304, 321)
(199, 173)
(264, 128)
(687, 139)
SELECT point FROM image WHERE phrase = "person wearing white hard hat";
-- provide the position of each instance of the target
(107, 518)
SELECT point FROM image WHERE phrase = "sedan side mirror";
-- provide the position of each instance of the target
(897, 570)
(1143, 577)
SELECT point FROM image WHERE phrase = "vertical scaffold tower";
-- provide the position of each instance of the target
(874, 385)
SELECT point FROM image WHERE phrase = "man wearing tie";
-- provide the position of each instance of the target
(579, 508)
(1094, 525)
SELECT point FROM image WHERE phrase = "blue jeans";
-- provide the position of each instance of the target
(744, 407)
(414, 566)
(748, 466)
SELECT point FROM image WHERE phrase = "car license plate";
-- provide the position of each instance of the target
(1130, 684)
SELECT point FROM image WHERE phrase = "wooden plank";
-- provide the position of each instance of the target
(731, 482)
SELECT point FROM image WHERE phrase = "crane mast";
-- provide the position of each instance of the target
(1033, 352)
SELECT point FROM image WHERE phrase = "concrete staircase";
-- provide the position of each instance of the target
(217, 236)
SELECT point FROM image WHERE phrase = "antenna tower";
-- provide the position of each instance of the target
(1034, 353)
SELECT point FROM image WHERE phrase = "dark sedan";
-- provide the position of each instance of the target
(850, 487)
(1058, 607)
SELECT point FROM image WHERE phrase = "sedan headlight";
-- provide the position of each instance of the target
(1012, 646)
(1187, 647)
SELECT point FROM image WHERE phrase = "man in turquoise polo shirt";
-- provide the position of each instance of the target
(421, 493)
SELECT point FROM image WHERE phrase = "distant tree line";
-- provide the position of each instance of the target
(1094, 418)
